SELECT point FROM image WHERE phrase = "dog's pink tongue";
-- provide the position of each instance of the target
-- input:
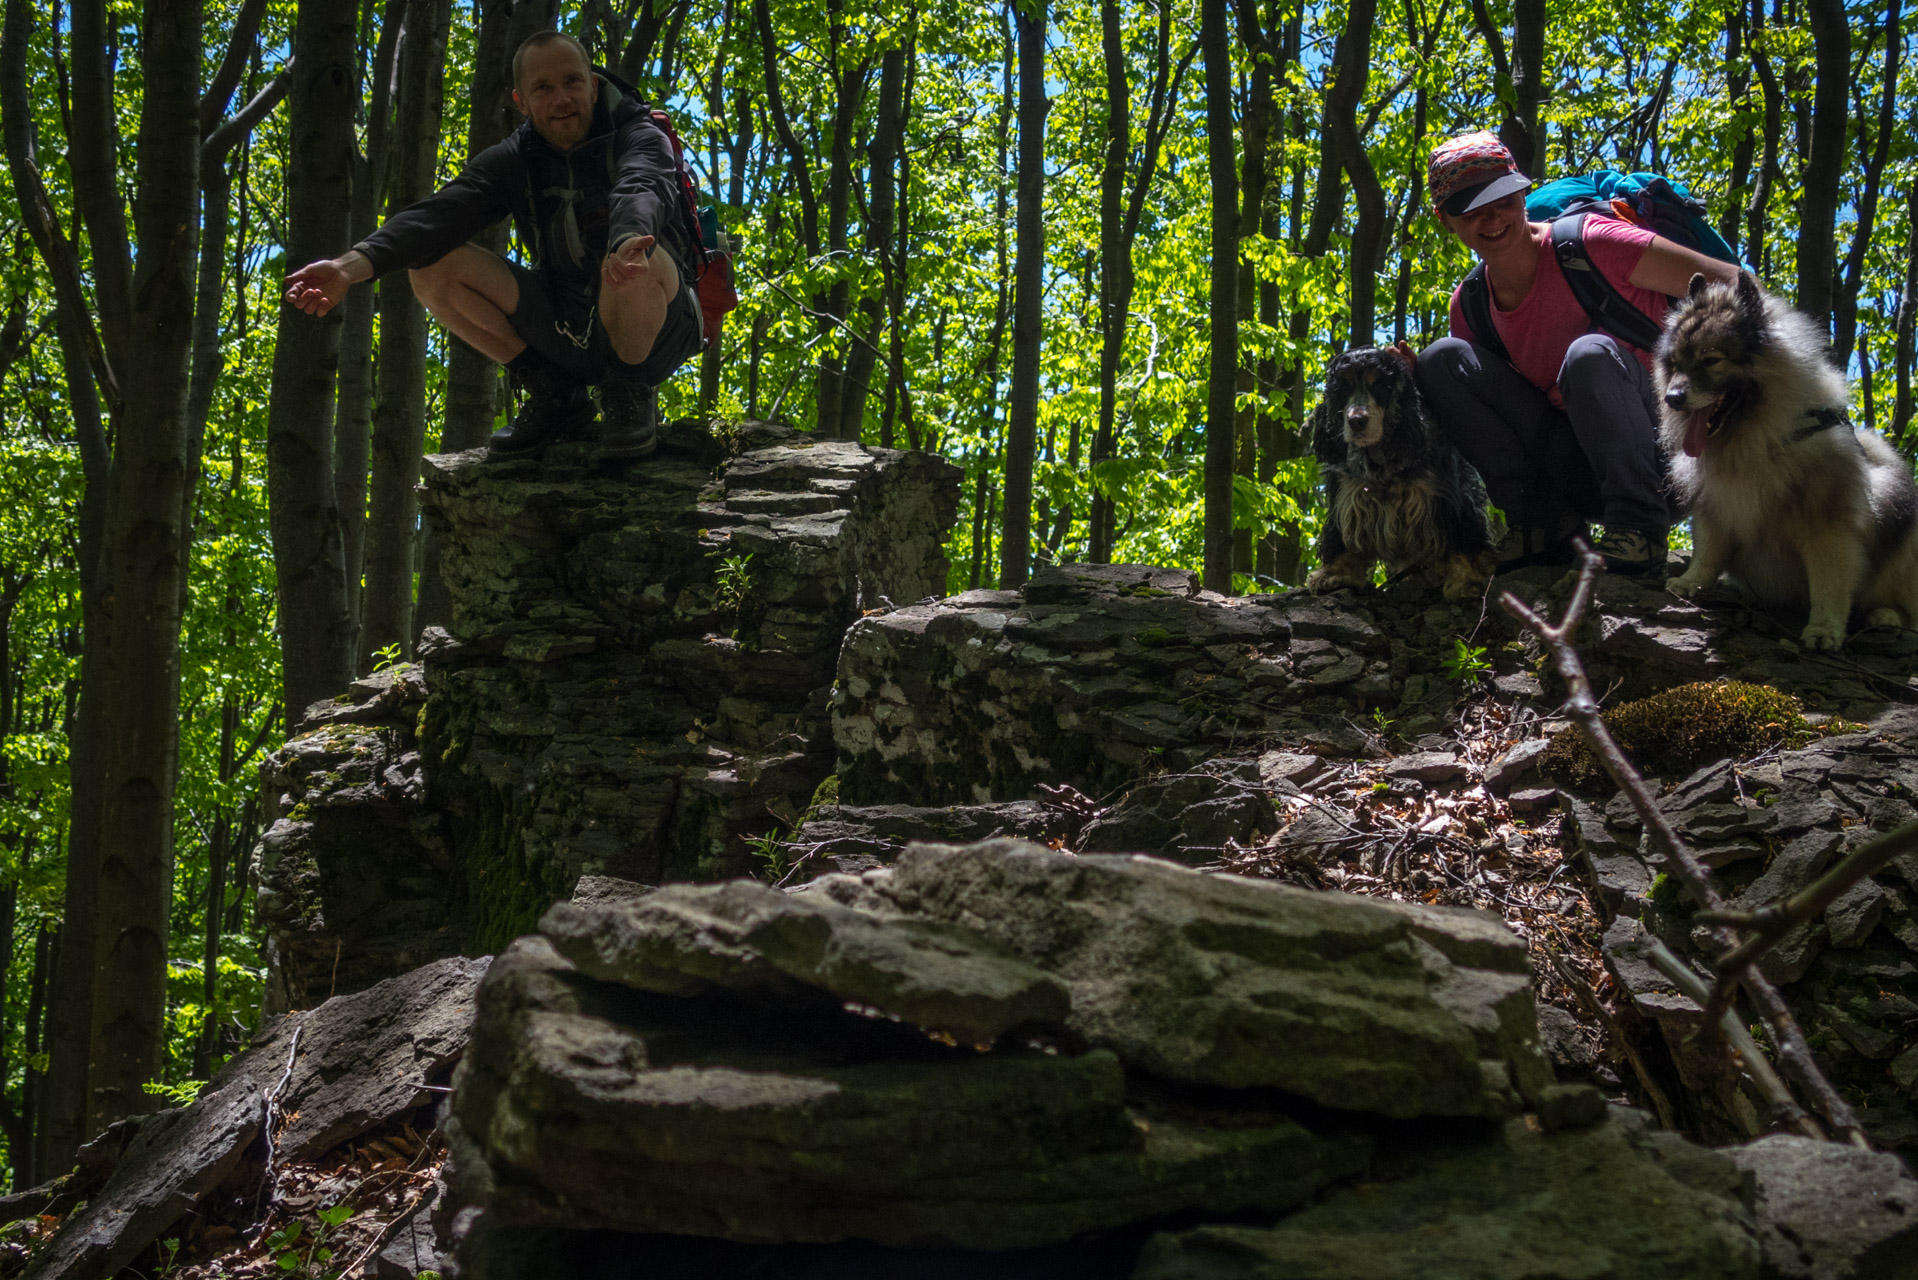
(1696, 429)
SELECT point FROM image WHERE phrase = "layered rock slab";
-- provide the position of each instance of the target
(1614, 1202)
(1355, 1003)
(591, 1105)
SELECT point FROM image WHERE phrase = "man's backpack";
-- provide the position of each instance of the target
(1647, 200)
(713, 271)
(698, 224)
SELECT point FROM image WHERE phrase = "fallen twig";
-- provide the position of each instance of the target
(1583, 993)
(1769, 924)
(1752, 1059)
(1794, 1054)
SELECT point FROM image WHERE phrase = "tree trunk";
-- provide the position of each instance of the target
(1758, 212)
(399, 418)
(353, 410)
(145, 528)
(1865, 196)
(474, 388)
(1341, 118)
(1260, 110)
(1907, 329)
(841, 407)
(316, 660)
(1028, 272)
(63, 1106)
(1222, 377)
(1738, 85)
(882, 156)
(1528, 84)
(1115, 268)
(1818, 204)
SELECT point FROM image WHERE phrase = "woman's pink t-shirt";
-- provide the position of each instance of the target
(1541, 329)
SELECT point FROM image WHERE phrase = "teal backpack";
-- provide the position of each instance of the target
(1647, 200)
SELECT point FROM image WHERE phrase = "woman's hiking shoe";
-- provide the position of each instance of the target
(1529, 544)
(1631, 551)
(629, 419)
(553, 405)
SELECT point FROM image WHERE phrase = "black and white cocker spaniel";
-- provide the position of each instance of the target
(1394, 489)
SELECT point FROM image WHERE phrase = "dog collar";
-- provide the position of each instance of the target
(1821, 420)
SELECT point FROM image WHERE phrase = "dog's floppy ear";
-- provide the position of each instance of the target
(1698, 285)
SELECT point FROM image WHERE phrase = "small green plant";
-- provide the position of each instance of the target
(310, 1263)
(1466, 660)
(769, 851)
(176, 1095)
(170, 1256)
(1382, 723)
(732, 582)
(387, 656)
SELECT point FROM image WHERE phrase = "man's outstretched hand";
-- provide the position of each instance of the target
(631, 261)
(318, 287)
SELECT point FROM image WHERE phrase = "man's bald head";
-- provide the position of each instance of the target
(540, 40)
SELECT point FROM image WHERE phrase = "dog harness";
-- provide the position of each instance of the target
(1821, 420)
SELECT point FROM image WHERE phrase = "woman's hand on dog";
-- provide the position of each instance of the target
(1403, 351)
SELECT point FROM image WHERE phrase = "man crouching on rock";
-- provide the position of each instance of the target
(592, 187)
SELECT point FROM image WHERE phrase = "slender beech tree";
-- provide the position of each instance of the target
(1905, 332)
(399, 417)
(315, 641)
(882, 158)
(1758, 211)
(353, 407)
(1824, 169)
(1866, 194)
(1122, 195)
(1519, 78)
(1352, 72)
(1221, 149)
(1028, 284)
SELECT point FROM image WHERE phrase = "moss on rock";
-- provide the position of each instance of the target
(1676, 731)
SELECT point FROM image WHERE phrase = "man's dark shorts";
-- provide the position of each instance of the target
(559, 318)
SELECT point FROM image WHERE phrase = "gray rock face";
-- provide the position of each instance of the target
(592, 1105)
(1355, 1003)
(1830, 1212)
(634, 683)
(1615, 1201)
(357, 1062)
(356, 871)
(1188, 816)
(853, 838)
(740, 936)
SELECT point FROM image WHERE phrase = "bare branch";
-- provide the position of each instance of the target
(1794, 1054)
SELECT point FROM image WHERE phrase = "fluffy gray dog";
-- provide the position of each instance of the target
(1800, 508)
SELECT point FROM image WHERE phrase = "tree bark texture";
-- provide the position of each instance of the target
(1818, 203)
(882, 158)
(1222, 382)
(1028, 280)
(353, 405)
(1865, 197)
(63, 1104)
(315, 645)
(1353, 72)
(399, 416)
(144, 562)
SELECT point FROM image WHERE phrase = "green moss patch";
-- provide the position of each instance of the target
(1676, 731)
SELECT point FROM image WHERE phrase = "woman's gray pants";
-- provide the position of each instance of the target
(1597, 458)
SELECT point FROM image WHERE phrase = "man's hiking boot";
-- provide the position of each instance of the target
(553, 406)
(1631, 551)
(629, 419)
(1529, 544)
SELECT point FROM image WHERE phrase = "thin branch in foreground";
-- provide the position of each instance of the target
(1794, 1054)
(1751, 1058)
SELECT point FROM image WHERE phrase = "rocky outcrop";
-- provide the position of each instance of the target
(996, 1049)
(1095, 675)
(1613, 1200)
(992, 1047)
(1768, 828)
(635, 681)
(319, 1077)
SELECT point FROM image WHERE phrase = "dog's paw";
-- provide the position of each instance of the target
(1823, 635)
(1465, 578)
(1685, 584)
(1885, 616)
